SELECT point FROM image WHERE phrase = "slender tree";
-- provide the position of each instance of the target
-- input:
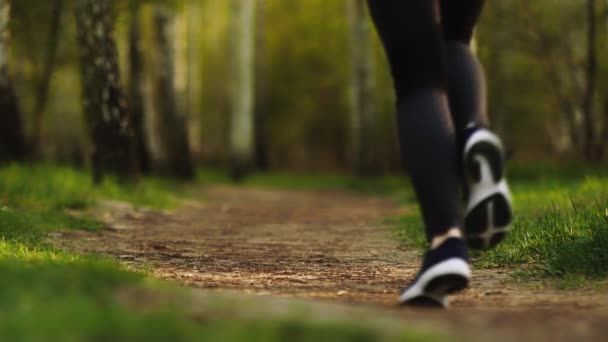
(46, 73)
(363, 118)
(590, 148)
(193, 62)
(105, 106)
(173, 124)
(242, 133)
(136, 99)
(261, 89)
(12, 139)
(603, 148)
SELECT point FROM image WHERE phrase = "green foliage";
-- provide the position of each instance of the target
(303, 72)
(303, 67)
(535, 56)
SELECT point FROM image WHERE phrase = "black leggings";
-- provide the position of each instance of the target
(440, 90)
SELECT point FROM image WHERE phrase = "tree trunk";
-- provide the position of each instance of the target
(565, 101)
(12, 139)
(173, 124)
(105, 107)
(602, 148)
(363, 120)
(193, 78)
(603, 143)
(42, 88)
(242, 24)
(261, 87)
(591, 77)
(136, 99)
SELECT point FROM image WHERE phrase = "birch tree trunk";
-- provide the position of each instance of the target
(242, 28)
(172, 123)
(12, 139)
(363, 118)
(136, 98)
(105, 106)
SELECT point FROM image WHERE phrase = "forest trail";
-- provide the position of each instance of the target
(326, 247)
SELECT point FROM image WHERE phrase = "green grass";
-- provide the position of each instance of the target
(48, 294)
(560, 229)
(51, 187)
(28, 225)
(85, 299)
(52, 295)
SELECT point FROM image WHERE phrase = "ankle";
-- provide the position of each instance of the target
(454, 232)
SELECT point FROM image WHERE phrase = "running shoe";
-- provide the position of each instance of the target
(488, 212)
(445, 270)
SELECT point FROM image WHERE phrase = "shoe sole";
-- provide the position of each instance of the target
(435, 284)
(488, 215)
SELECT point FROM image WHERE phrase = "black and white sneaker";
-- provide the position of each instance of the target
(488, 213)
(445, 270)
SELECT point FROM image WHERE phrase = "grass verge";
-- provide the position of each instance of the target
(560, 229)
(51, 187)
(53, 295)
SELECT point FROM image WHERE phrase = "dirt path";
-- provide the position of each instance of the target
(330, 246)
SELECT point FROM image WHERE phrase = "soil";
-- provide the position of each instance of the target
(329, 247)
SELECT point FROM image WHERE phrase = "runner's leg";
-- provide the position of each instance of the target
(466, 79)
(411, 33)
(412, 37)
(488, 213)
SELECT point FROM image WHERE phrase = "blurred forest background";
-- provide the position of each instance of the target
(168, 86)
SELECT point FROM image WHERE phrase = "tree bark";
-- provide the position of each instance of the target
(602, 144)
(136, 98)
(12, 139)
(363, 119)
(192, 74)
(602, 148)
(44, 81)
(261, 90)
(108, 120)
(242, 131)
(173, 124)
(591, 77)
